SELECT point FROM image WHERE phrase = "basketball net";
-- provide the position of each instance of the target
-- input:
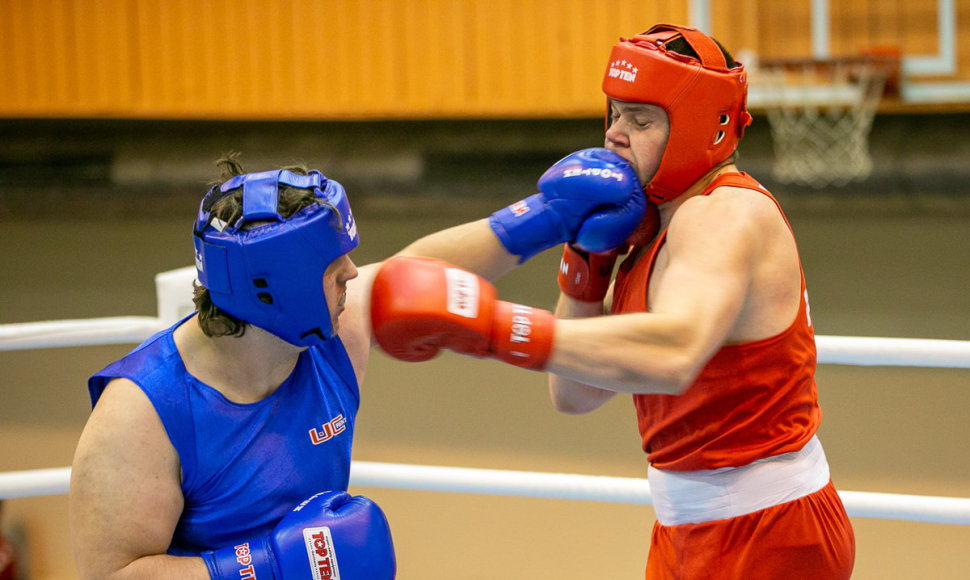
(821, 113)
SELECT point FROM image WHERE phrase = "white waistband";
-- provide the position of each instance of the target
(691, 497)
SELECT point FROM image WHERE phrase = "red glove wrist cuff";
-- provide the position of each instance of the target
(585, 276)
(522, 335)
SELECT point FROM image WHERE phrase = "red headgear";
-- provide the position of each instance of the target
(704, 101)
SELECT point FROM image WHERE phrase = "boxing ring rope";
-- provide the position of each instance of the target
(887, 506)
(866, 351)
(846, 350)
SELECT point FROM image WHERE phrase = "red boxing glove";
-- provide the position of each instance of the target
(585, 276)
(420, 305)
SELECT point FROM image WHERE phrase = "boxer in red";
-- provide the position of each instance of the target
(707, 326)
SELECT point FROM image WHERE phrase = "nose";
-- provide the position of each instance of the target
(615, 137)
(350, 269)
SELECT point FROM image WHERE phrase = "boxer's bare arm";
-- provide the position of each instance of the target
(471, 246)
(568, 395)
(125, 497)
(591, 196)
(729, 274)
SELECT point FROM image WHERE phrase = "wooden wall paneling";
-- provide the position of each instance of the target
(361, 59)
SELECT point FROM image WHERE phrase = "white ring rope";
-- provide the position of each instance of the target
(84, 332)
(909, 352)
(887, 506)
(172, 305)
(845, 350)
(33, 483)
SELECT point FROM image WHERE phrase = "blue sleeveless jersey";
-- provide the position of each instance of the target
(245, 466)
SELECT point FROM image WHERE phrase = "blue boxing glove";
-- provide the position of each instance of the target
(591, 197)
(330, 535)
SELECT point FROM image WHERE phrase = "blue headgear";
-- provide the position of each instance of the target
(272, 274)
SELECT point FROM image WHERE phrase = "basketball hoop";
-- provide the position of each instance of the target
(821, 113)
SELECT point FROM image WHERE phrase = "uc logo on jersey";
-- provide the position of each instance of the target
(331, 429)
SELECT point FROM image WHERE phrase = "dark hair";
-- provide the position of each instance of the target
(680, 46)
(212, 320)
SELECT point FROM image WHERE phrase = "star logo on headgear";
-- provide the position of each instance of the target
(623, 70)
(351, 228)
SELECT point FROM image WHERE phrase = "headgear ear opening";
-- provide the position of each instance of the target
(271, 275)
(705, 101)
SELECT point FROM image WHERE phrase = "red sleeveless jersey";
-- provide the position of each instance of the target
(751, 400)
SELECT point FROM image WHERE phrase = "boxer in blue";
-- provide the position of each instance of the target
(220, 447)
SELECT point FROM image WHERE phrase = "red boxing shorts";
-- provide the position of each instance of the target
(807, 538)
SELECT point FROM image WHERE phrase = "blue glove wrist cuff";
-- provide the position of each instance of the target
(527, 228)
(246, 560)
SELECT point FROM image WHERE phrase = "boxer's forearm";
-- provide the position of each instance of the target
(472, 246)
